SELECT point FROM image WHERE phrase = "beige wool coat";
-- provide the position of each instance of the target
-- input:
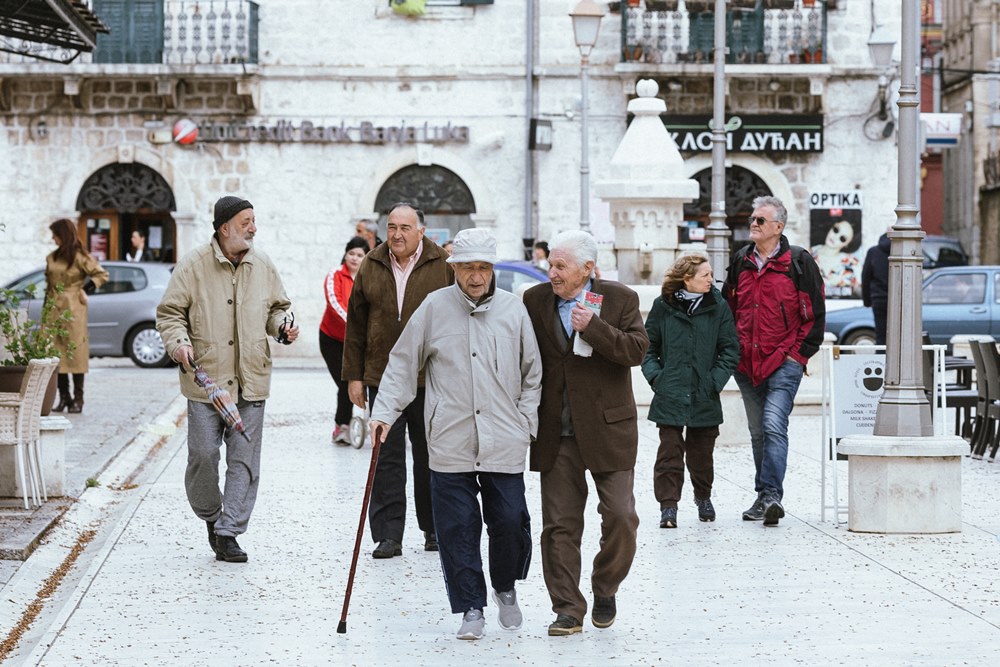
(72, 298)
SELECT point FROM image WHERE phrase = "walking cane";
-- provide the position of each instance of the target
(342, 626)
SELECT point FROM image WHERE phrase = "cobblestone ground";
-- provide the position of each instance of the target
(807, 591)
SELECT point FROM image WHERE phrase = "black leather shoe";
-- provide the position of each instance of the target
(604, 612)
(212, 542)
(387, 549)
(228, 550)
(564, 625)
(430, 541)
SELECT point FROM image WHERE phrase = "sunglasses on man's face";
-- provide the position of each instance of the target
(759, 220)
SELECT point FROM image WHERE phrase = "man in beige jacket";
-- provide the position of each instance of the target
(223, 302)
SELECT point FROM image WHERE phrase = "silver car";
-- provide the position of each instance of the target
(121, 315)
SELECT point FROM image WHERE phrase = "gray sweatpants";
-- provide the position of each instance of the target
(231, 508)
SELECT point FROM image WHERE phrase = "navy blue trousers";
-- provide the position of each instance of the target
(459, 525)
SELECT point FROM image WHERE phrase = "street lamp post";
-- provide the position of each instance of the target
(586, 23)
(903, 409)
(717, 233)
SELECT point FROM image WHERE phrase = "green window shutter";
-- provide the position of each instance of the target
(111, 47)
(136, 31)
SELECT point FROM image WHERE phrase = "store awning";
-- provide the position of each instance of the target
(54, 30)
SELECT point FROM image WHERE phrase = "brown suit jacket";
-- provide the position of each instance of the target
(601, 402)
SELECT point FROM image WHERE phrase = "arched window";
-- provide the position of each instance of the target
(742, 187)
(121, 198)
(444, 198)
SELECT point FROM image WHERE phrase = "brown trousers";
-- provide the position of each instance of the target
(668, 471)
(564, 499)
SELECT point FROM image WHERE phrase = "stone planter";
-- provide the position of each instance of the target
(10, 380)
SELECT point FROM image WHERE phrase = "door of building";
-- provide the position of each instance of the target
(119, 199)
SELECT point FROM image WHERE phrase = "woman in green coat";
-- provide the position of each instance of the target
(693, 351)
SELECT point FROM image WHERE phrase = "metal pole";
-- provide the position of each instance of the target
(584, 144)
(528, 229)
(903, 409)
(717, 234)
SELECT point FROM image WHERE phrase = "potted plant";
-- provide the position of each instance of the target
(779, 4)
(743, 4)
(25, 339)
(698, 6)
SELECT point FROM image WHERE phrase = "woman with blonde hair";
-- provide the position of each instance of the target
(693, 351)
(66, 270)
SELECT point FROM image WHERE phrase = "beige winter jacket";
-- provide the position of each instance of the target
(227, 314)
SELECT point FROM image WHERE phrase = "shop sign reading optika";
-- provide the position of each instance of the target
(365, 132)
(777, 133)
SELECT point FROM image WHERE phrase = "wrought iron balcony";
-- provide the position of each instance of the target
(173, 32)
(757, 31)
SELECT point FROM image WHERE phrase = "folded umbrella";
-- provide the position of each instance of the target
(220, 398)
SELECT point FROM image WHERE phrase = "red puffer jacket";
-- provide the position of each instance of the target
(779, 310)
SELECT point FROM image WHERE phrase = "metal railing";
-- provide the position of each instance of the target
(213, 32)
(770, 32)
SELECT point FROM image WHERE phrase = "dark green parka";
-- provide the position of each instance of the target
(689, 360)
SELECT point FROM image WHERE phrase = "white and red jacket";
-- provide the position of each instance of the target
(337, 289)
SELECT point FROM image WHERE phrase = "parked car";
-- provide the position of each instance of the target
(121, 317)
(956, 300)
(943, 251)
(518, 275)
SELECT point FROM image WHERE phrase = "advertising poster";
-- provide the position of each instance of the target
(857, 387)
(834, 240)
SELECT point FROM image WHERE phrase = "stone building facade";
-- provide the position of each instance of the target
(970, 76)
(324, 113)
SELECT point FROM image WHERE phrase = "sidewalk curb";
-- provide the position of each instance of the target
(89, 511)
(171, 447)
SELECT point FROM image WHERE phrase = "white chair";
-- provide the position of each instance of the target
(20, 418)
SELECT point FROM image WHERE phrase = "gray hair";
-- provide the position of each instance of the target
(780, 212)
(579, 244)
(369, 225)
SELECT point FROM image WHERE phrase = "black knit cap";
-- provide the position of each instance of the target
(226, 208)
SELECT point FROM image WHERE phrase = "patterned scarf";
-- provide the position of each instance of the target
(689, 301)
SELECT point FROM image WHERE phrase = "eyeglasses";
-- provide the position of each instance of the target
(760, 220)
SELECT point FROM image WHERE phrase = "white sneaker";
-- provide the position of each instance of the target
(473, 625)
(508, 613)
(341, 435)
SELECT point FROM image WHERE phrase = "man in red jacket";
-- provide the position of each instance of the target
(776, 293)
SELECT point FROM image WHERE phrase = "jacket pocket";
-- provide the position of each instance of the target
(430, 420)
(620, 413)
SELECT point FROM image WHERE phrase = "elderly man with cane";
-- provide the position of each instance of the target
(483, 374)
(223, 301)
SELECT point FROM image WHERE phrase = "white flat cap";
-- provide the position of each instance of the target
(473, 245)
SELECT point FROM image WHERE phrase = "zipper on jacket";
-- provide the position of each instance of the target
(784, 315)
